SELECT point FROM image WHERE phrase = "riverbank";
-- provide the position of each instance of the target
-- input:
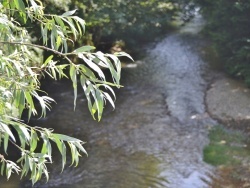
(228, 101)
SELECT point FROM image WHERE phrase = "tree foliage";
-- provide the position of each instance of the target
(21, 67)
(228, 25)
(134, 22)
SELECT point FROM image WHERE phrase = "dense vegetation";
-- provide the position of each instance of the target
(228, 26)
(125, 24)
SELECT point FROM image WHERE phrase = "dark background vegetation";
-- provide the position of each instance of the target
(129, 25)
(228, 26)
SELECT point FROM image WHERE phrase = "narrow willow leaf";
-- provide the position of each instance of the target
(61, 147)
(92, 66)
(58, 41)
(107, 96)
(45, 34)
(27, 165)
(45, 171)
(33, 173)
(22, 137)
(79, 28)
(94, 108)
(59, 21)
(87, 94)
(115, 75)
(52, 39)
(76, 158)
(48, 60)
(21, 103)
(86, 71)
(25, 132)
(1, 136)
(45, 146)
(7, 130)
(66, 138)
(122, 54)
(53, 72)
(65, 45)
(39, 172)
(81, 148)
(82, 80)
(118, 67)
(73, 77)
(64, 155)
(109, 88)
(20, 6)
(8, 170)
(81, 21)
(69, 13)
(73, 152)
(6, 141)
(23, 172)
(29, 100)
(20, 159)
(84, 49)
(72, 27)
(60, 71)
(33, 140)
(2, 167)
(99, 98)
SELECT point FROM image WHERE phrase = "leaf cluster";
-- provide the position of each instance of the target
(21, 67)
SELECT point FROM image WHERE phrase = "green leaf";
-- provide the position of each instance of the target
(73, 77)
(118, 67)
(29, 99)
(8, 170)
(84, 49)
(45, 171)
(7, 130)
(6, 141)
(92, 66)
(72, 26)
(80, 147)
(48, 60)
(22, 132)
(86, 71)
(107, 96)
(66, 138)
(33, 140)
(99, 101)
(59, 21)
(2, 167)
(81, 21)
(73, 152)
(21, 103)
(20, 6)
(69, 13)
(63, 156)
(123, 54)
(25, 132)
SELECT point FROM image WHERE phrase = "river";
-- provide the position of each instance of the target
(155, 136)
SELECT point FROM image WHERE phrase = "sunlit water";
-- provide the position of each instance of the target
(156, 135)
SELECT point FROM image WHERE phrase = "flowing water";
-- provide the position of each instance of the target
(155, 136)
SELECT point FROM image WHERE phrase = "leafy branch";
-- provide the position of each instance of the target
(21, 67)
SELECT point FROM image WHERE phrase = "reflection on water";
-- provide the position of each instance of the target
(156, 135)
